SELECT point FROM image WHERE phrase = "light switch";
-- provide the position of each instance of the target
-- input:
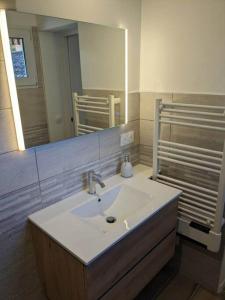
(126, 138)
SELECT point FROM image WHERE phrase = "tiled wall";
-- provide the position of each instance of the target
(179, 134)
(195, 261)
(40, 176)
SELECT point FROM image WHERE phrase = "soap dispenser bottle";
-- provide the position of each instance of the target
(126, 167)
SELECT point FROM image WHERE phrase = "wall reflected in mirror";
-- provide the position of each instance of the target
(70, 76)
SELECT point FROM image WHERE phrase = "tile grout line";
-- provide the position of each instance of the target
(39, 182)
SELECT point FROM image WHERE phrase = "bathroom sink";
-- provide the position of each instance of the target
(119, 205)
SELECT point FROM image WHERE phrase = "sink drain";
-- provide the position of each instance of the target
(110, 219)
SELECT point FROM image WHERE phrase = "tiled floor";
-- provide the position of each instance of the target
(182, 288)
(179, 288)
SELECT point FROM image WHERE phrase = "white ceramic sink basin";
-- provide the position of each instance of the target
(78, 223)
(118, 205)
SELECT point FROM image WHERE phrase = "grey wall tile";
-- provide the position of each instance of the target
(16, 206)
(133, 106)
(59, 187)
(8, 140)
(18, 272)
(5, 101)
(59, 157)
(110, 165)
(147, 103)
(109, 141)
(17, 170)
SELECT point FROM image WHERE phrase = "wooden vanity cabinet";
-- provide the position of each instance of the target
(119, 273)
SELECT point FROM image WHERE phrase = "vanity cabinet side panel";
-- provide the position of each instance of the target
(110, 267)
(133, 282)
(61, 274)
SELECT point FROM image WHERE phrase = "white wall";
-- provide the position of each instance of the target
(183, 46)
(126, 13)
(102, 56)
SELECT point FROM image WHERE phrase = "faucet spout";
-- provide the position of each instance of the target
(94, 178)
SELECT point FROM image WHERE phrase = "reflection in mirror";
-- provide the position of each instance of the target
(70, 76)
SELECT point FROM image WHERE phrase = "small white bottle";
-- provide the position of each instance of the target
(126, 167)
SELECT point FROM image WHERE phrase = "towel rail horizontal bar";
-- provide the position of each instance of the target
(194, 218)
(192, 119)
(92, 102)
(93, 98)
(166, 104)
(90, 127)
(199, 200)
(193, 112)
(206, 163)
(191, 153)
(189, 164)
(188, 185)
(191, 147)
(194, 203)
(90, 106)
(196, 210)
(85, 130)
(208, 219)
(93, 111)
(193, 125)
(186, 191)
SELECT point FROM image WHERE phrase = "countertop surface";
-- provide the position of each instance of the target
(88, 242)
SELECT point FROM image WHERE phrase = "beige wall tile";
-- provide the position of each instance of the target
(18, 169)
(198, 137)
(62, 156)
(133, 106)
(147, 103)
(32, 107)
(5, 101)
(146, 132)
(1, 51)
(200, 99)
(8, 141)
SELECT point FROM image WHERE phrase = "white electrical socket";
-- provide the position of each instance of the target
(126, 138)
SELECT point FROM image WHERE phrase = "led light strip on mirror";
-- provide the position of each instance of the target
(11, 79)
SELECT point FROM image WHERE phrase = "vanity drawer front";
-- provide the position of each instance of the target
(132, 283)
(117, 261)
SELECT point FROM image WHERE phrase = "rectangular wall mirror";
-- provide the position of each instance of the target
(70, 76)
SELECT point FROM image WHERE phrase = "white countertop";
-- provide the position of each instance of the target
(86, 242)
